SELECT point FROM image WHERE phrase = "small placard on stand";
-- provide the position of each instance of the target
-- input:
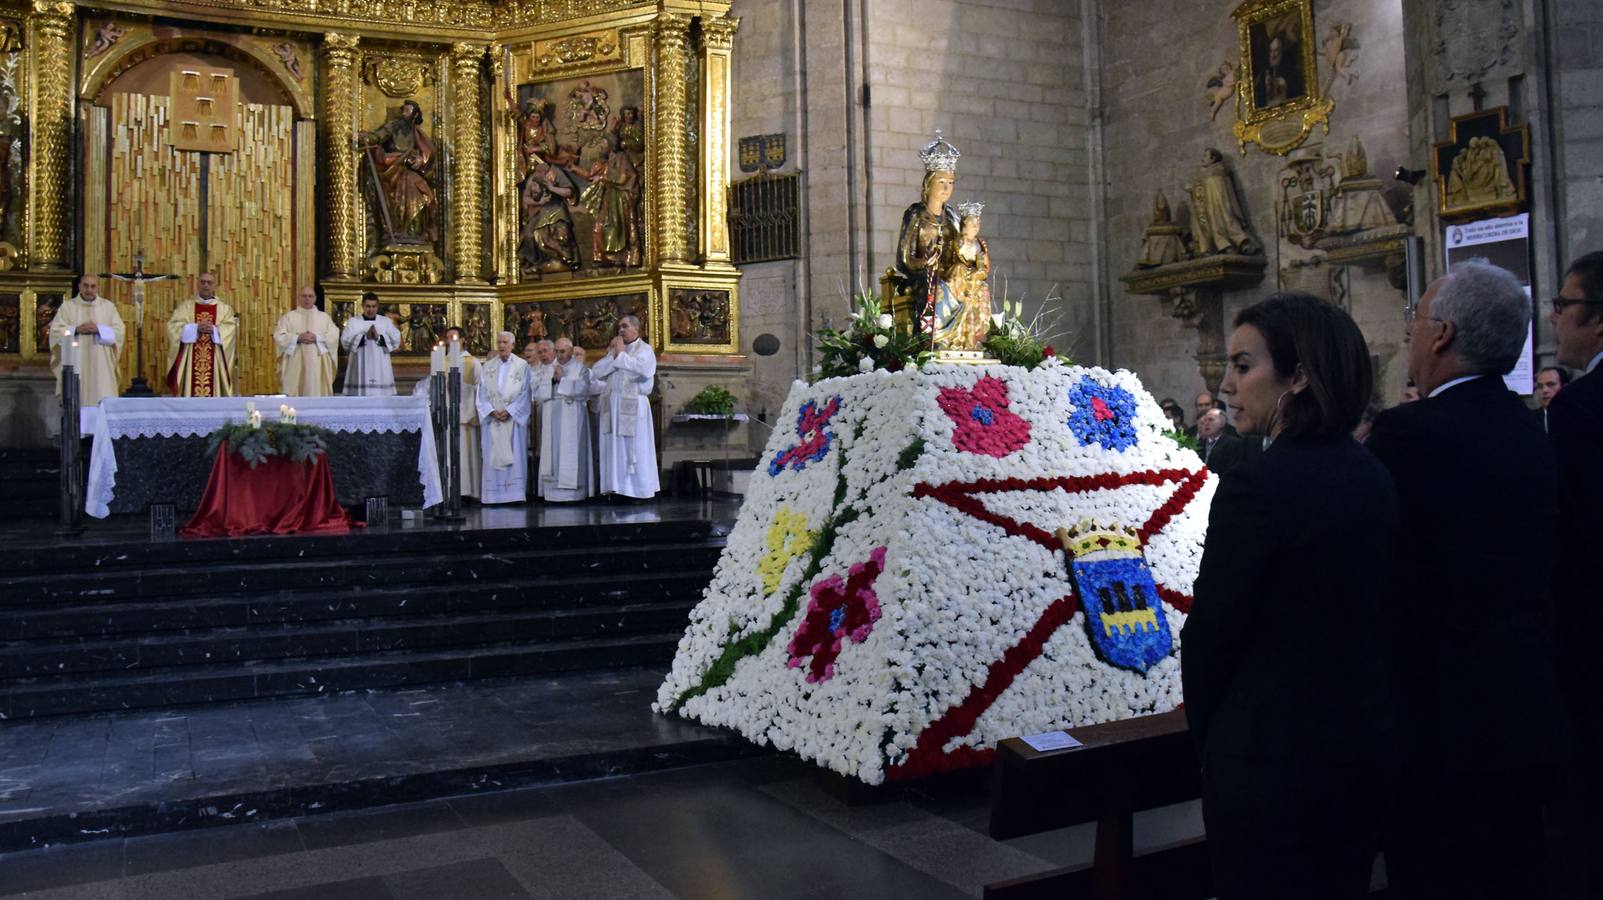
(163, 521)
(1050, 740)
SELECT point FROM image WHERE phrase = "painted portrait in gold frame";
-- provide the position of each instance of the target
(1279, 101)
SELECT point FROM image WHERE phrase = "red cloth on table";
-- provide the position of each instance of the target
(277, 497)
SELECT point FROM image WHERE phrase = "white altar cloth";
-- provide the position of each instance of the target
(121, 417)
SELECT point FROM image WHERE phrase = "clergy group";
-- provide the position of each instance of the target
(589, 426)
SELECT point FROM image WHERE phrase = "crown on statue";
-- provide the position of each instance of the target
(1091, 537)
(939, 155)
(972, 209)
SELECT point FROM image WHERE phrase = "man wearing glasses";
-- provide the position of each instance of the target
(1575, 423)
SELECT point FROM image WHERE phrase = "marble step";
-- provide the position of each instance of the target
(104, 619)
(39, 658)
(50, 556)
(222, 579)
(229, 682)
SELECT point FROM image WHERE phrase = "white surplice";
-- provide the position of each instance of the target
(567, 467)
(504, 386)
(369, 373)
(627, 441)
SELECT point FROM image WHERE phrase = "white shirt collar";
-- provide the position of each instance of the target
(1454, 383)
(1595, 360)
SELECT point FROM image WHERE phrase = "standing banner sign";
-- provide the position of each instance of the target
(1502, 242)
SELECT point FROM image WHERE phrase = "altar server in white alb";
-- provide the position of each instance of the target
(504, 429)
(567, 468)
(94, 323)
(308, 344)
(628, 448)
(369, 339)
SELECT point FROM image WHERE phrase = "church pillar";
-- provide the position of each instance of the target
(717, 36)
(339, 158)
(50, 24)
(672, 49)
(467, 195)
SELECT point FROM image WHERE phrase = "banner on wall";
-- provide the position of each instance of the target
(1502, 242)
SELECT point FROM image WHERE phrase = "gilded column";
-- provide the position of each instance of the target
(467, 221)
(717, 36)
(672, 49)
(339, 158)
(50, 24)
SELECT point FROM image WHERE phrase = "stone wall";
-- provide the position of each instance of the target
(1577, 30)
(1156, 60)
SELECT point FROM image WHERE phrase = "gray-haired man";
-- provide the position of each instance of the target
(1472, 675)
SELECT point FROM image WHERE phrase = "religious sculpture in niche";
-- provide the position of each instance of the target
(1480, 170)
(698, 316)
(1360, 202)
(13, 162)
(423, 327)
(582, 152)
(1162, 243)
(401, 175)
(44, 313)
(589, 322)
(10, 323)
(476, 331)
(1218, 223)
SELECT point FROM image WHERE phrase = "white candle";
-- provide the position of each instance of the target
(292, 415)
(69, 353)
(437, 359)
(456, 353)
(283, 410)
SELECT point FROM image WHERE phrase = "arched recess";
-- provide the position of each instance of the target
(249, 215)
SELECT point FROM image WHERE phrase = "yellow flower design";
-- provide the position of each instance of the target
(788, 538)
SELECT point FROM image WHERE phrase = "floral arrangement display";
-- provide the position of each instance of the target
(930, 561)
(255, 442)
(1014, 342)
(871, 340)
(712, 400)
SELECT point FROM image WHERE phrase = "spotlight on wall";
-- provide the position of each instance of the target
(1409, 176)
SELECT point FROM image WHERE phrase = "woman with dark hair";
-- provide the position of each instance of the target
(1285, 688)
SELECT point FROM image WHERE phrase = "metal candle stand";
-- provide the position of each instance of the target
(442, 433)
(71, 476)
(453, 404)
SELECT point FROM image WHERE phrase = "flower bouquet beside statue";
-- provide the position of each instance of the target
(871, 340)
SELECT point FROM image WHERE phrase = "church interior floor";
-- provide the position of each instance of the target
(757, 827)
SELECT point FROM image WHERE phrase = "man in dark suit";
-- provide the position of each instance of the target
(1549, 382)
(1470, 660)
(1575, 424)
(1220, 450)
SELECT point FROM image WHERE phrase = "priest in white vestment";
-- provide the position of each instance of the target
(93, 321)
(504, 424)
(628, 442)
(563, 390)
(369, 339)
(202, 334)
(308, 348)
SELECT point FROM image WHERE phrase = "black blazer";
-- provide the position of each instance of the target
(1470, 653)
(1228, 452)
(1575, 425)
(1281, 655)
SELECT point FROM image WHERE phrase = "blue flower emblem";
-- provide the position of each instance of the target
(1103, 414)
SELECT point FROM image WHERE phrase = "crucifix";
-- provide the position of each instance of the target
(138, 387)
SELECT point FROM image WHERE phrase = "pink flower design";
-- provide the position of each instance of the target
(838, 610)
(984, 424)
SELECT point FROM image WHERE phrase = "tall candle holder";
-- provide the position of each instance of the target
(71, 472)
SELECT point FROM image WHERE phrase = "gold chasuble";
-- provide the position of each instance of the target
(307, 370)
(200, 366)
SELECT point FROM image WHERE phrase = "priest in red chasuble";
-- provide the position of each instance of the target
(201, 336)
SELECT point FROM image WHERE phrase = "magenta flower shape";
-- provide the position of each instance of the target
(984, 424)
(838, 610)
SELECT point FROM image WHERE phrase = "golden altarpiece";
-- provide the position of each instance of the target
(538, 166)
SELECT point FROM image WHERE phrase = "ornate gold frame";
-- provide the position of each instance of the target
(1284, 127)
(1495, 120)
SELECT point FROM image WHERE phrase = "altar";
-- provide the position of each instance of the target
(153, 449)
